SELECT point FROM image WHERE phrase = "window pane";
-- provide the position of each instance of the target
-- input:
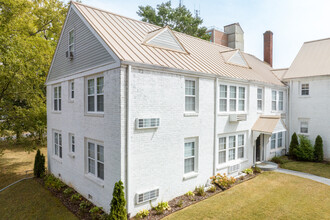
(222, 143)
(259, 105)
(240, 152)
(100, 85)
(60, 151)
(273, 141)
(223, 91)
(56, 149)
(55, 105)
(189, 165)
(232, 154)
(241, 105)
(241, 93)
(55, 92)
(60, 139)
(91, 87)
(91, 150)
(232, 91)
(100, 103)
(59, 92)
(222, 157)
(241, 140)
(56, 138)
(91, 107)
(100, 153)
(91, 166)
(100, 170)
(279, 139)
(223, 105)
(232, 141)
(280, 105)
(190, 87)
(274, 95)
(259, 96)
(59, 104)
(71, 37)
(232, 105)
(280, 96)
(274, 105)
(190, 103)
(189, 149)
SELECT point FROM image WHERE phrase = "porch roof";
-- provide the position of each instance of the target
(269, 124)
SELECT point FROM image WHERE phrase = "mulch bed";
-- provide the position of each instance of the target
(188, 200)
(72, 206)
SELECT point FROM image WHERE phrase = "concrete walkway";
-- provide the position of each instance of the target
(305, 175)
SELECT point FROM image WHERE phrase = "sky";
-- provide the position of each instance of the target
(293, 22)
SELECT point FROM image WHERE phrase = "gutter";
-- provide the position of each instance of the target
(128, 104)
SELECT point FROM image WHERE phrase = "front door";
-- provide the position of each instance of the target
(258, 149)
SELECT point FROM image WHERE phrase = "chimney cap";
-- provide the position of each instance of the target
(270, 32)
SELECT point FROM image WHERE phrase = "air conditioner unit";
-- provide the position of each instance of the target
(237, 117)
(144, 123)
(69, 55)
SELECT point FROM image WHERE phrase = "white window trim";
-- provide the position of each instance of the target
(89, 175)
(277, 101)
(262, 99)
(74, 40)
(237, 160)
(237, 99)
(59, 99)
(94, 113)
(304, 121)
(300, 90)
(59, 145)
(192, 113)
(71, 99)
(195, 172)
(72, 153)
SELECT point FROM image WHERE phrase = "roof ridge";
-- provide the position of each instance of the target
(280, 69)
(312, 41)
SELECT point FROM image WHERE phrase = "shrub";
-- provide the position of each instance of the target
(212, 189)
(293, 145)
(179, 203)
(318, 149)
(190, 193)
(223, 181)
(96, 212)
(84, 205)
(305, 150)
(277, 160)
(256, 169)
(51, 182)
(200, 191)
(68, 191)
(161, 207)
(142, 214)
(39, 165)
(76, 197)
(248, 171)
(118, 202)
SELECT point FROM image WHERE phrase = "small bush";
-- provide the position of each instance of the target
(51, 182)
(162, 207)
(96, 212)
(256, 169)
(293, 145)
(84, 205)
(212, 189)
(190, 193)
(179, 203)
(68, 191)
(223, 181)
(200, 191)
(39, 165)
(118, 202)
(76, 197)
(277, 160)
(318, 149)
(142, 214)
(248, 171)
(305, 150)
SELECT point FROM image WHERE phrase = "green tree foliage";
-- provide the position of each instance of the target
(118, 203)
(29, 31)
(318, 149)
(39, 165)
(179, 19)
(305, 150)
(293, 145)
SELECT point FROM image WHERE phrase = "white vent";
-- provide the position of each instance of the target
(237, 117)
(147, 196)
(238, 59)
(165, 38)
(234, 168)
(143, 123)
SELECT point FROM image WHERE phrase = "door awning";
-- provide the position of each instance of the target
(268, 124)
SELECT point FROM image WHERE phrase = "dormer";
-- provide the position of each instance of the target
(235, 57)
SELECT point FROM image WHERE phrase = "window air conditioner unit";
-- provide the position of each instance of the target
(237, 117)
(144, 123)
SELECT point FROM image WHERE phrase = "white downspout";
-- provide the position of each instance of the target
(215, 125)
(129, 69)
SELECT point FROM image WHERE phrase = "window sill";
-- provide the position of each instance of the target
(190, 114)
(56, 112)
(94, 180)
(190, 175)
(304, 96)
(100, 115)
(71, 101)
(57, 159)
(72, 155)
(231, 113)
(303, 134)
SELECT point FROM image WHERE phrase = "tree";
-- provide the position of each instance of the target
(118, 203)
(318, 149)
(293, 145)
(179, 19)
(305, 150)
(39, 165)
(29, 32)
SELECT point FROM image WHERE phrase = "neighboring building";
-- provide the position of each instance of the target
(160, 110)
(309, 81)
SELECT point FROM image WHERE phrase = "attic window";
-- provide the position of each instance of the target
(70, 53)
(164, 38)
(235, 57)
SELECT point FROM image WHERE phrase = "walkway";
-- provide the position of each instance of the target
(305, 175)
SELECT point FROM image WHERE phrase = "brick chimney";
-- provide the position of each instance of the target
(268, 47)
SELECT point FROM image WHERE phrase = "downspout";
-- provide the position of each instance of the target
(289, 109)
(129, 69)
(216, 82)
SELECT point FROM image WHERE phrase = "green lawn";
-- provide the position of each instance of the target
(270, 195)
(319, 169)
(29, 200)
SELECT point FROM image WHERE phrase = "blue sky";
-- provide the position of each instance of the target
(292, 21)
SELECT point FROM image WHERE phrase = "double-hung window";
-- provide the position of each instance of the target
(71, 90)
(95, 94)
(58, 144)
(280, 101)
(57, 98)
(274, 100)
(240, 146)
(273, 141)
(304, 127)
(304, 89)
(232, 98)
(279, 139)
(232, 148)
(190, 156)
(72, 143)
(222, 150)
(190, 95)
(95, 159)
(260, 99)
(71, 41)
(277, 100)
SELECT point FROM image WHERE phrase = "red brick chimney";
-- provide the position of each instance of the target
(268, 47)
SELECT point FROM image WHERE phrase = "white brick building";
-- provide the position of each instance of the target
(160, 110)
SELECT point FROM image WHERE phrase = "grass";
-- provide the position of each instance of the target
(270, 195)
(318, 169)
(29, 200)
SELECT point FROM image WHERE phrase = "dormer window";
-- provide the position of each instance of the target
(71, 43)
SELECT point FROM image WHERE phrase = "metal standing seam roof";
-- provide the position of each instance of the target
(280, 73)
(125, 36)
(267, 123)
(313, 59)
